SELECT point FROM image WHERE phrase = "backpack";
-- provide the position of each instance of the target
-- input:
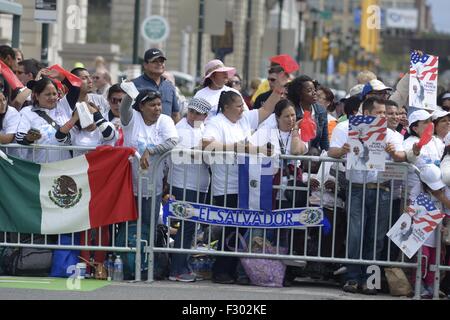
(161, 270)
(26, 262)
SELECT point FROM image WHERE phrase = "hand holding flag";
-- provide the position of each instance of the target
(56, 71)
(426, 136)
(308, 127)
(10, 77)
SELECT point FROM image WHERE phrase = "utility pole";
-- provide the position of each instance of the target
(318, 66)
(248, 33)
(279, 36)
(201, 27)
(137, 6)
(44, 43)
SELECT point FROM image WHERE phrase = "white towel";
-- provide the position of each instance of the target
(130, 89)
(86, 117)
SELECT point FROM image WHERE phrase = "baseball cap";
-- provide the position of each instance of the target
(200, 105)
(439, 114)
(356, 90)
(446, 96)
(374, 85)
(153, 54)
(419, 115)
(431, 175)
(288, 64)
(218, 66)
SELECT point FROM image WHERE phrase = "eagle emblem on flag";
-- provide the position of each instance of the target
(65, 193)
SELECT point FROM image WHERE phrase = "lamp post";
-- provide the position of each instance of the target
(301, 8)
(280, 14)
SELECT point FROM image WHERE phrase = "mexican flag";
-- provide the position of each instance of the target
(67, 196)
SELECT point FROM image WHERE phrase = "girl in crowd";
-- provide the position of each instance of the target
(40, 122)
(302, 92)
(216, 76)
(230, 130)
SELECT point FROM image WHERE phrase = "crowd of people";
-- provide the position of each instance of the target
(82, 108)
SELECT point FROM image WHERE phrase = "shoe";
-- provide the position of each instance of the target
(243, 281)
(350, 286)
(370, 292)
(185, 277)
(222, 278)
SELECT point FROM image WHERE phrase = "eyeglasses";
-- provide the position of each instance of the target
(116, 100)
(236, 82)
(272, 79)
(19, 72)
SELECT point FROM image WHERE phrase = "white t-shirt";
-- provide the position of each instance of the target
(84, 138)
(11, 121)
(100, 101)
(213, 97)
(10, 124)
(340, 137)
(30, 119)
(140, 136)
(197, 175)
(222, 130)
(430, 153)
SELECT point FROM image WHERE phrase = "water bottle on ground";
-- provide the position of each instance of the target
(110, 267)
(118, 269)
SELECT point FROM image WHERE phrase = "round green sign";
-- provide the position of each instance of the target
(155, 29)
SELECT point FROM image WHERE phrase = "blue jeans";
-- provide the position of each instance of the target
(356, 224)
(179, 264)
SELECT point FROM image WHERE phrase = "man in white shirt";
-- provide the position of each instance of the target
(373, 215)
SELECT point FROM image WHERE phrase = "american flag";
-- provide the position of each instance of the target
(427, 66)
(433, 215)
(364, 127)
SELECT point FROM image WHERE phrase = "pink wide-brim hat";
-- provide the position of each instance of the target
(218, 66)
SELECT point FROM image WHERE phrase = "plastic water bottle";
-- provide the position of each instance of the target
(110, 267)
(118, 269)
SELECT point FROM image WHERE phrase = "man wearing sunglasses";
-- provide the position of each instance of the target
(152, 79)
(273, 74)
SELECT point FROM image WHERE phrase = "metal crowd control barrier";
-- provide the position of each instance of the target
(309, 244)
(49, 242)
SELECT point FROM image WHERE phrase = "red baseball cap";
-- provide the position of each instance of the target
(286, 62)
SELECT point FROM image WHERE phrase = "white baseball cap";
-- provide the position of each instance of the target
(439, 114)
(419, 115)
(431, 175)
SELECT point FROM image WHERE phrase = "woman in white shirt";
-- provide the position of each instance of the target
(189, 180)
(40, 122)
(9, 121)
(216, 76)
(431, 153)
(99, 132)
(230, 131)
(152, 134)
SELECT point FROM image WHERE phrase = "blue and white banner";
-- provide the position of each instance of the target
(255, 182)
(287, 218)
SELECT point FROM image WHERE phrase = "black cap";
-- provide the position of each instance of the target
(152, 54)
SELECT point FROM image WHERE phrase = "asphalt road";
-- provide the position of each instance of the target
(201, 290)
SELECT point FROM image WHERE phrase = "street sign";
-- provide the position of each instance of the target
(45, 11)
(155, 29)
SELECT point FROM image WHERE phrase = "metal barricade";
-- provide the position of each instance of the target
(310, 244)
(49, 242)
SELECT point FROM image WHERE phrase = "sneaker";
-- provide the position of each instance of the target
(185, 277)
(350, 286)
(370, 292)
(222, 278)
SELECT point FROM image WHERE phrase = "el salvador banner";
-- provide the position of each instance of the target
(255, 182)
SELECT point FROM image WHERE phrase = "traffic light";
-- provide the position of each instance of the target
(325, 48)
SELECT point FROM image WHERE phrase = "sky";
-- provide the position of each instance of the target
(441, 10)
